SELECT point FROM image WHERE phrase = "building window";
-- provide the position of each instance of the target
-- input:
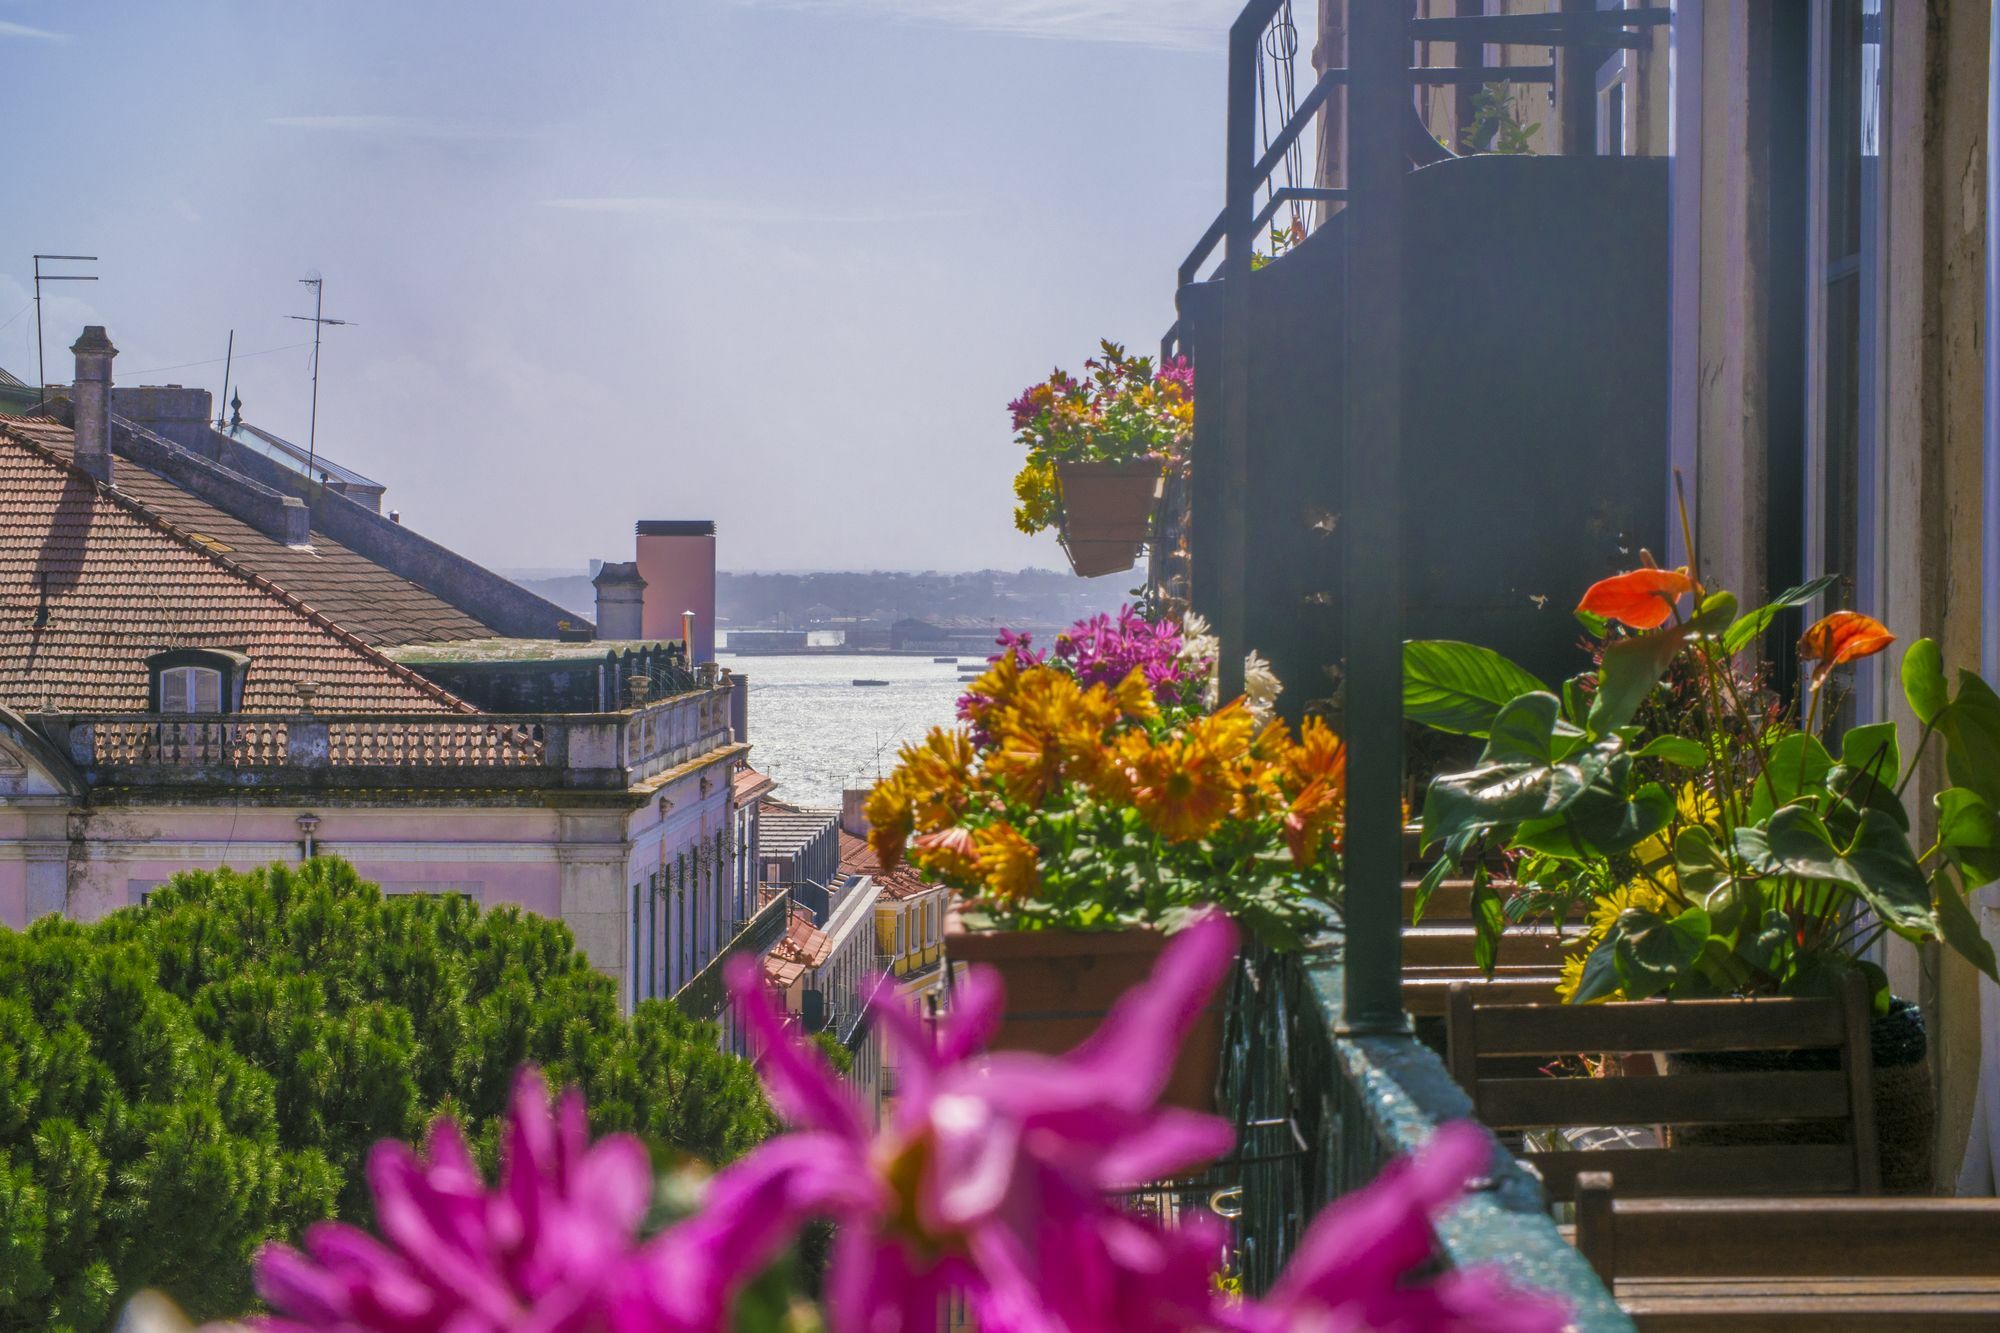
(203, 681)
(1845, 292)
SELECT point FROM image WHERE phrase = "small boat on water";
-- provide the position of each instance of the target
(952, 660)
(871, 682)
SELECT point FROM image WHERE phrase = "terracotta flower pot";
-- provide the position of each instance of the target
(1061, 984)
(1107, 512)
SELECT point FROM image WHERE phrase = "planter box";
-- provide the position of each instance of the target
(1060, 984)
(1107, 513)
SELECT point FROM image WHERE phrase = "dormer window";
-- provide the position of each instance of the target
(202, 681)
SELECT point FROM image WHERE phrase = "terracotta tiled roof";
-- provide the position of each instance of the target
(804, 947)
(368, 601)
(93, 581)
(748, 783)
(858, 858)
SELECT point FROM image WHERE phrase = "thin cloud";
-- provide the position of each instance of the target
(765, 213)
(23, 30)
(405, 127)
(1173, 25)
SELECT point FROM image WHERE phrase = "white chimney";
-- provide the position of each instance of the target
(91, 402)
(621, 600)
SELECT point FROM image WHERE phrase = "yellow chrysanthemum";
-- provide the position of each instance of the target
(1572, 976)
(1180, 786)
(1008, 862)
(1605, 911)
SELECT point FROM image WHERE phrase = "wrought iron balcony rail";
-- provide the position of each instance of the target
(705, 996)
(578, 750)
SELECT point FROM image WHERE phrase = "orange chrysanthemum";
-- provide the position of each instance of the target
(1642, 598)
(1844, 636)
(948, 853)
(1181, 787)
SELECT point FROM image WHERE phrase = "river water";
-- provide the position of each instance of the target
(816, 732)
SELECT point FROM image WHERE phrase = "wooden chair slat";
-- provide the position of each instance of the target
(1427, 994)
(1758, 1097)
(1431, 945)
(1807, 1314)
(1832, 1238)
(1779, 1168)
(1678, 1025)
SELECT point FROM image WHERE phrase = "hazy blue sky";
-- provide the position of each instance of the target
(776, 262)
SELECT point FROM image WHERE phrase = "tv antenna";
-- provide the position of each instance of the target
(319, 321)
(41, 367)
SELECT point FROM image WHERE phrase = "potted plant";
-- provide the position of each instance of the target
(1098, 448)
(1717, 839)
(1092, 802)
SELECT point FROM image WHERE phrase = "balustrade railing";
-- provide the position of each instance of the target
(600, 749)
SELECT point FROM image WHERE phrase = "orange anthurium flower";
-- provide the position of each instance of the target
(1642, 598)
(1844, 636)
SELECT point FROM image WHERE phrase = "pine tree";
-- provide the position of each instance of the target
(182, 1081)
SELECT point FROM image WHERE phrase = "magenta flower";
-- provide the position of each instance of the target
(546, 1250)
(1352, 1269)
(1103, 651)
(993, 1175)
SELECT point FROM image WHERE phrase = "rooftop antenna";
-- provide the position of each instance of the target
(228, 362)
(41, 368)
(318, 321)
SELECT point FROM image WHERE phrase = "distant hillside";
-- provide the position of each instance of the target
(800, 601)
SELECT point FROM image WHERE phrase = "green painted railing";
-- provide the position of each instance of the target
(1318, 1113)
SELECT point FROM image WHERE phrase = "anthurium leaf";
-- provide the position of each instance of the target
(1576, 699)
(1969, 832)
(1600, 970)
(1489, 920)
(1600, 822)
(1746, 630)
(1797, 763)
(1960, 931)
(1971, 727)
(1630, 669)
(1853, 792)
(1699, 864)
(1923, 680)
(1872, 748)
(1654, 952)
(1595, 625)
(1429, 885)
(1516, 780)
(1877, 867)
(1714, 615)
(1676, 750)
(1459, 687)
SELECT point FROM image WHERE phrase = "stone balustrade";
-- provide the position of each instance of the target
(603, 751)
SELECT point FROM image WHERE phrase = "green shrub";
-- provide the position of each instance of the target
(179, 1082)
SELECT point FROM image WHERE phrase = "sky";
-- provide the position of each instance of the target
(778, 263)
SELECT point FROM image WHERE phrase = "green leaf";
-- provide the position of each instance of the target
(1630, 669)
(1971, 727)
(1753, 625)
(1601, 822)
(1872, 748)
(1459, 687)
(1654, 953)
(1600, 970)
(1713, 616)
(1878, 866)
(1429, 885)
(1489, 921)
(1797, 764)
(1699, 863)
(1923, 680)
(1595, 625)
(1969, 832)
(1960, 931)
(1515, 781)
(1676, 750)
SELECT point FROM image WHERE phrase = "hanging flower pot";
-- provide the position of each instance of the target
(1107, 512)
(1061, 983)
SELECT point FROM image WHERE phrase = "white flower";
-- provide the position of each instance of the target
(1261, 686)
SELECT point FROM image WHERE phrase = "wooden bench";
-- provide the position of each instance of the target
(1825, 1264)
(1438, 955)
(1487, 1045)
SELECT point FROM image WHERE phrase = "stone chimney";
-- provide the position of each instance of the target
(91, 395)
(621, 600)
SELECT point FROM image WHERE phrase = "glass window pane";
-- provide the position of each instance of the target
(205, 690)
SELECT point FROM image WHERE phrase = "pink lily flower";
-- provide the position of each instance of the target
(544, 1251)
(993, 1174)
(1351, 1271)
